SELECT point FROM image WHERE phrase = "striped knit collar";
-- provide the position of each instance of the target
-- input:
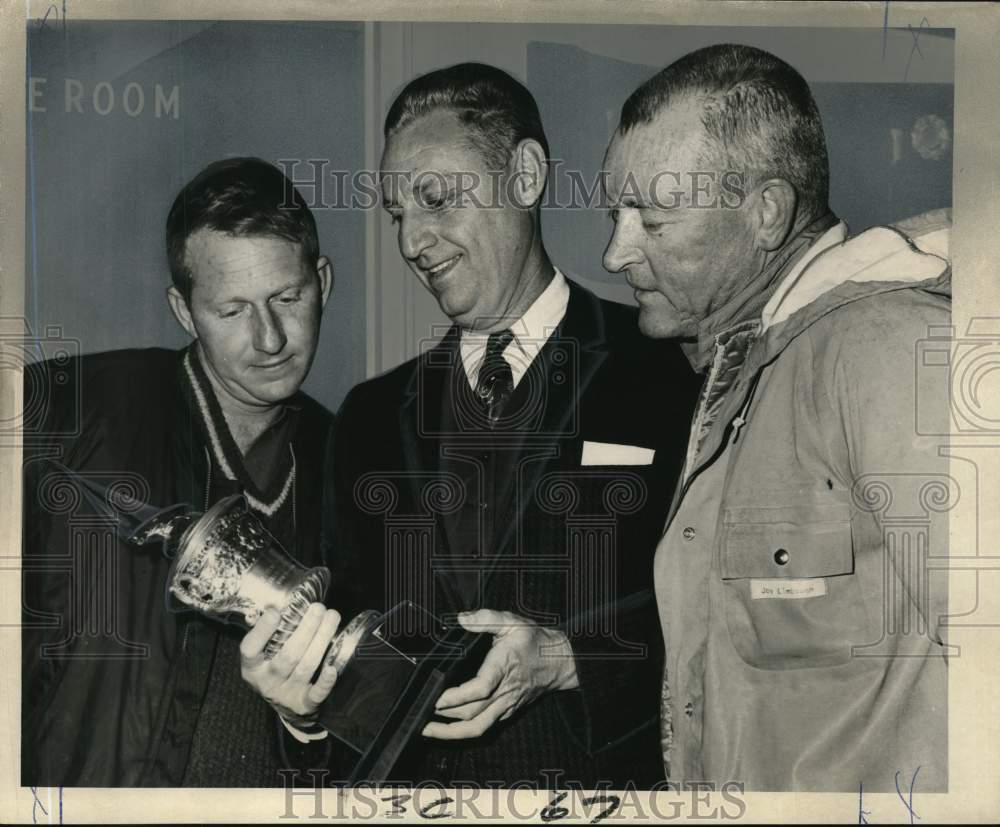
(226, 455)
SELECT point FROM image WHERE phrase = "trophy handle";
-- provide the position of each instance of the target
(167, 526)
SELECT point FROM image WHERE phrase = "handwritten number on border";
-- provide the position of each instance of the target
(425, 812)
(398, 803)
(553, 812)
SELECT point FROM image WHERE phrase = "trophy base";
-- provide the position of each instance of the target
(310, 590)
(386, 692)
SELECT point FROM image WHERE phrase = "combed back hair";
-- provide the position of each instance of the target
(758, 113)
(498, 110)
(240, 197)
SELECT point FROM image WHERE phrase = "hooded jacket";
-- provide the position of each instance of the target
(799, 580)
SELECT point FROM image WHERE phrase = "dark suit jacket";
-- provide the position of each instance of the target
(572, 545)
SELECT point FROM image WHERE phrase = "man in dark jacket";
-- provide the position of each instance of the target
(117, 690)
(516, 475)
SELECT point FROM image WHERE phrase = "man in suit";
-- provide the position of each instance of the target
(518, 473)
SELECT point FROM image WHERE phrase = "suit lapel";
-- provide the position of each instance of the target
(420, 426)
(420, 415)
(564, 368)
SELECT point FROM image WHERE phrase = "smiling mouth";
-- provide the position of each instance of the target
(439, 270)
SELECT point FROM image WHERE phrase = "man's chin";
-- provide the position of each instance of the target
(276, 391)
(660, 326)
(460, 312)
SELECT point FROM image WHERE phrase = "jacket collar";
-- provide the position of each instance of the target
(843, 270)
(224, 453)
(879, 260)
(748, 302)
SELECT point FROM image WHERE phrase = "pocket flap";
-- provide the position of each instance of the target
(775, 542)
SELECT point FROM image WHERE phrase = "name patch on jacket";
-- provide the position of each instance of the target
(787, 588)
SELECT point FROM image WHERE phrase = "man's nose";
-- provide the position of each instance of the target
(414, 236)
(620, 253)
(268, 333)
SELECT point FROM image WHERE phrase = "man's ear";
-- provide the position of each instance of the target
(181, 311)
(324, 269)
(774, 213)
(528, 174)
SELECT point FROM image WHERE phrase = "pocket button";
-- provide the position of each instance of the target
(781, 556)
(688, 533)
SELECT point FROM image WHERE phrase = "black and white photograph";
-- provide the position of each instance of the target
(514, 412)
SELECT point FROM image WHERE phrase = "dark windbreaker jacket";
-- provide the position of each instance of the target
(112, 681)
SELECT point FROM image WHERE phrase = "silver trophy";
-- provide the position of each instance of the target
(229, 567)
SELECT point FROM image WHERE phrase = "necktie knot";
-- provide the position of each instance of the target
(497, 343)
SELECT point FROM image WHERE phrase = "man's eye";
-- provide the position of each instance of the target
(437, 202)
(652, 226)
(288, 299)
(229, 314)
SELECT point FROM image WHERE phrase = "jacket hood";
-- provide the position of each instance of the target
(837, 270)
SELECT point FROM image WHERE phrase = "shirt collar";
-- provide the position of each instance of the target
(531, 331)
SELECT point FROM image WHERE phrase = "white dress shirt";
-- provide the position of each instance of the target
(531, 332)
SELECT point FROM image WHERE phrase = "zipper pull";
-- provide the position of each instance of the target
(738, 423)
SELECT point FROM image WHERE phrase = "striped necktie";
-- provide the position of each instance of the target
(496, 380)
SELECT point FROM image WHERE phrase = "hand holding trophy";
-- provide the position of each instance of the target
(390, 668)
(296, 681)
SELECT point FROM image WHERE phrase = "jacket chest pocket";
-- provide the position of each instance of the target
(791, 597)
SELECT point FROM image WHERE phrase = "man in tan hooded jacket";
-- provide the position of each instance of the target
(800, 578)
